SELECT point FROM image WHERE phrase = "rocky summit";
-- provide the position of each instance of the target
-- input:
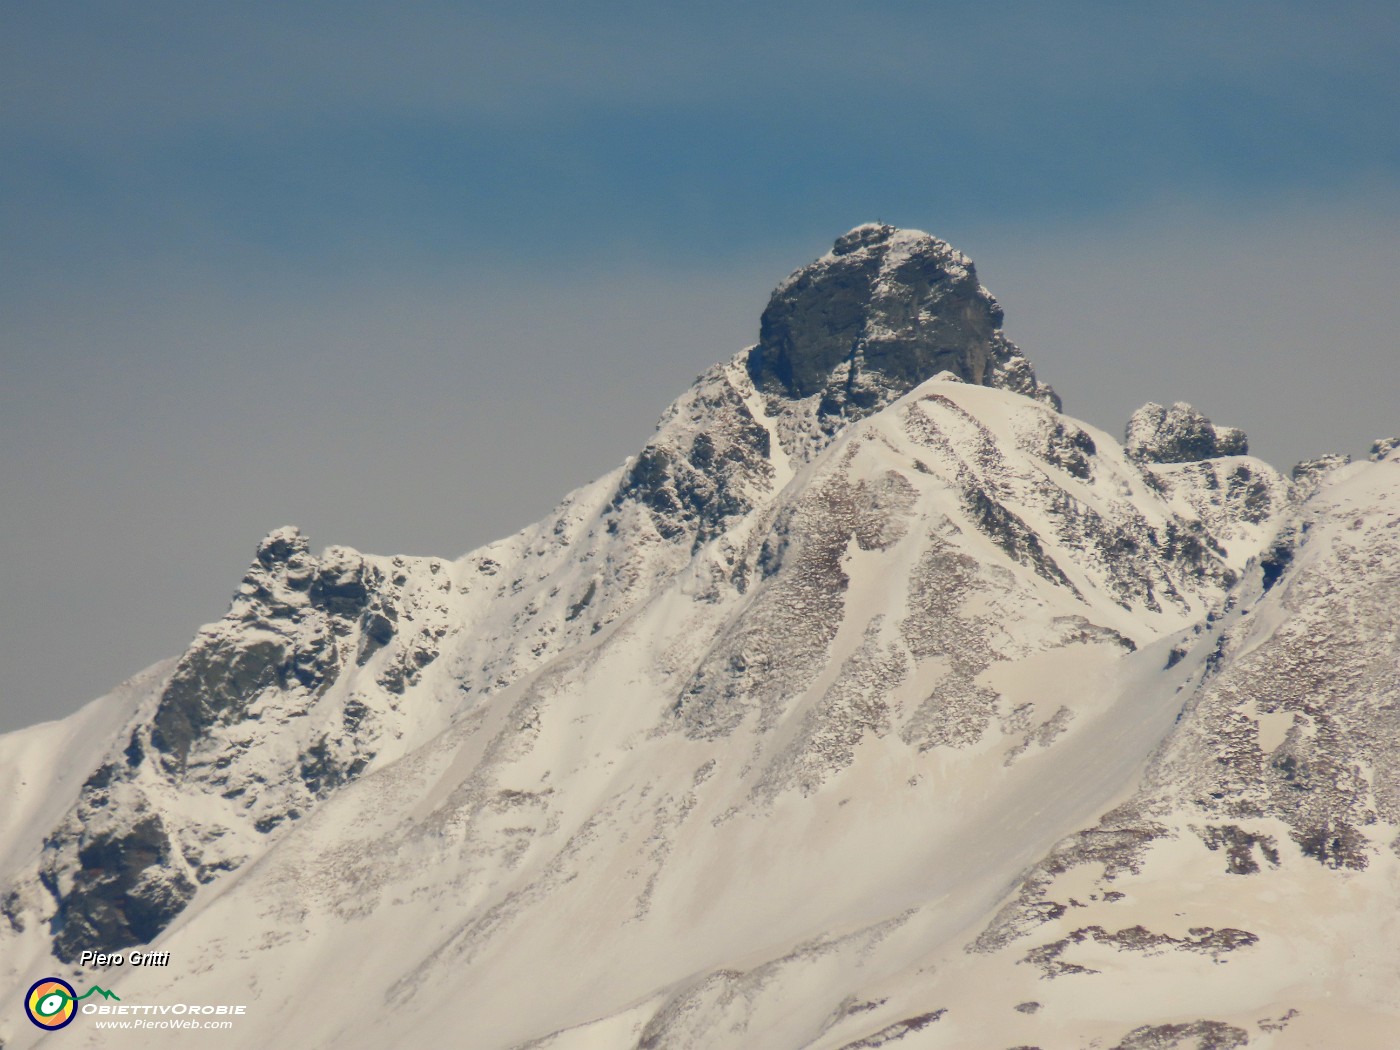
(881, 312)
(874, 703)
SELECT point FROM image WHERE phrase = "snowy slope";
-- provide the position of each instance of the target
(1248, 885)
(752, 742)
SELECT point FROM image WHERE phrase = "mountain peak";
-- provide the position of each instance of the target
(863, 236)
(880, 313)
(964, 690)
(282, 544)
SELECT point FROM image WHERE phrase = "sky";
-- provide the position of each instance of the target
(405, 274)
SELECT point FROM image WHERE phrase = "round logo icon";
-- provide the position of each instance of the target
(51, 1003)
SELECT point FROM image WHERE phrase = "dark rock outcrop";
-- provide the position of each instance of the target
(126, 891)
(124, 862)
(1309, 474)
(893, 1033)
(1193, 1035)
(885, 310)
(1179, 434)
(1381, 448)
(1204, 940)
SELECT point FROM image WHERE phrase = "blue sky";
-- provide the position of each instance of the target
(352, 136)
(404, 274)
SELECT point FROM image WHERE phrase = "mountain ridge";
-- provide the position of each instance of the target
(690, 718)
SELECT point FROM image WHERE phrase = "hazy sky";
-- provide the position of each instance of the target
(403, 274)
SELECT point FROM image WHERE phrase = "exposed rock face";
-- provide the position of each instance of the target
(129, 884)
(705, 465)
(126, 861)
(1197, 1035)
(1381, 448)
(883, 311)
(1309, 474)
(1179, 434)
(296, 600)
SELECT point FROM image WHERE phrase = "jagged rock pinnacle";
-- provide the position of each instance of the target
(880, 313)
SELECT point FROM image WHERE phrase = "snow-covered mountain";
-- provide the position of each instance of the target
(875, 702)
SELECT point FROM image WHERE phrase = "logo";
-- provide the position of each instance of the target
(52, 1003)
